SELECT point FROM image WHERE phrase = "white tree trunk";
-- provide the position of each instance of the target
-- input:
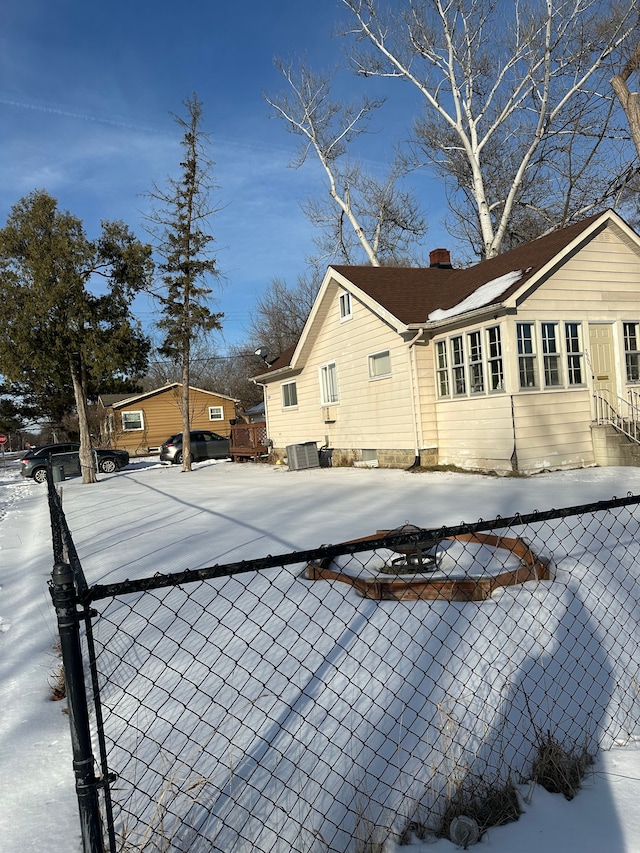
(87, 462)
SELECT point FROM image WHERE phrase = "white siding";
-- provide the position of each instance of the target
(600, 283)
(371, 413)
(553, 430)
(476, 432)
(427, 392)
(533, 429)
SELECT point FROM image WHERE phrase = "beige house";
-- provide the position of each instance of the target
(140, 423)
(525, 362)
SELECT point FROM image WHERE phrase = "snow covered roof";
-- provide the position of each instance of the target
(411, 297)
(416, 296)
(484, 295)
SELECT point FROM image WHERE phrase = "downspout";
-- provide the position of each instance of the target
(264, 396)
(415, 404)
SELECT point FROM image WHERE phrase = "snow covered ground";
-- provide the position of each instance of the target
(150, 518)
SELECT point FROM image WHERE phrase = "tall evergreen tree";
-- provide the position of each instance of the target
(179, 223)
(58, 329)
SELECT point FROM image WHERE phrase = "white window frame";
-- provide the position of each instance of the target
(442, 368)
(527, 356)
(458, 373)
(285, 392)
(377, 360)
(470, 363)
(346, 310)
(495, 365)
(551, 354)
(574, 353)
(213, 409)
(328, 377)
(631, 336)
(474, 360)
(140, 414)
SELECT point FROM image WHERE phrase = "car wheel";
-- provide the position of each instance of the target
(178, 458)
(40, 475)
(107, 466)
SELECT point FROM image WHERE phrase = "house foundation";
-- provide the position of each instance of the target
(369, 458)
(612, 448)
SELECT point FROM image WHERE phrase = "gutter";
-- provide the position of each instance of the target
(465, 317)
(415, 403)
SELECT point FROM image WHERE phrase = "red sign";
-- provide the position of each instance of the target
(3, 439)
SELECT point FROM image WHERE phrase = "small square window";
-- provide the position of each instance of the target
(289, 395)
(216, 413)
(379, 364)
(345, 306)
(132, 421)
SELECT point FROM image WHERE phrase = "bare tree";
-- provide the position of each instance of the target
(629, 101)
(226, 373)
(512, 107)
(362, 213)
(279, 315)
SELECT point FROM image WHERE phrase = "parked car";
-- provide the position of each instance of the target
(65, 453)
(204, 445)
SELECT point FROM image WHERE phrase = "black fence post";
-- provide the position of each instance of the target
(65, 603)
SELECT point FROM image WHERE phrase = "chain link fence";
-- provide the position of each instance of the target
(358, 696)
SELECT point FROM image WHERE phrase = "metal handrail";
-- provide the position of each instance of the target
(623, 414)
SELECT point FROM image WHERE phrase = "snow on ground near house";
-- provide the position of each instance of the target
(150, 518)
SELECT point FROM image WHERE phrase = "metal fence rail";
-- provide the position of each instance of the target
(356, 695)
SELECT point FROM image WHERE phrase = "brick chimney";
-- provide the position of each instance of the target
(440, 259)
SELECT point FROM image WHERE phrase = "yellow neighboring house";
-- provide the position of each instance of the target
(140, 423)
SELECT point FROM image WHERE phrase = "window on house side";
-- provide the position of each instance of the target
(573, 343)
(494, 359)
(345, 306)
(526, 355)
(476, 372)
(551, 355)
(289, 395)
(442, 369)
(216, 413)
(457, 365)
(132, 420)
(328, 384)
(379, 364)
(632, 351)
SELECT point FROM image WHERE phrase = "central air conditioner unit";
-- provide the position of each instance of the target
(302, 456)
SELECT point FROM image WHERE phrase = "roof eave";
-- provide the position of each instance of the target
(493, 310)
(278, 373)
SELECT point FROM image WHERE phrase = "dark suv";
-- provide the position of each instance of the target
(34, 462)
(204, 445)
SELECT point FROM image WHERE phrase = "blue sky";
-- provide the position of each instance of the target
(86, 96)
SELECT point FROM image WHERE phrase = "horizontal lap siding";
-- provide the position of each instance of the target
(427, 393)
(162, 417)
(600, 282)
(476, 432)
(372, 414)
(553, 430)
